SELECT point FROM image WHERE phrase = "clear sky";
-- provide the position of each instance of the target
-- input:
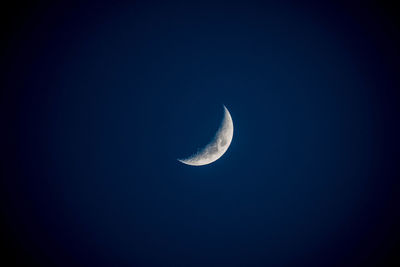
(100, 100)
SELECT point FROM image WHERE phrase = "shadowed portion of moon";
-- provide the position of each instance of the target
(218, 145)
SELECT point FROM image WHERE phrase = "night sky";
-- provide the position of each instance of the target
(99, 100)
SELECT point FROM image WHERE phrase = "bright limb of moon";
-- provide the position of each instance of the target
(217, 147)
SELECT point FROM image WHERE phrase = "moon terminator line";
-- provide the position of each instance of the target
(218, 145)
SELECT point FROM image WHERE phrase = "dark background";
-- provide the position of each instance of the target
(98, 101)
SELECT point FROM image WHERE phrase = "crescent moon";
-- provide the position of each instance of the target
(218, 145)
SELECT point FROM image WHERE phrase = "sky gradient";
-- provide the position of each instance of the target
(100, 100)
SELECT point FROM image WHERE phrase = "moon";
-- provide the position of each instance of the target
(218, 145)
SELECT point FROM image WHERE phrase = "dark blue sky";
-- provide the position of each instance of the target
(100, 100)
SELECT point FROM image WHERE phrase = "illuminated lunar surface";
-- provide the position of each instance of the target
(217, 147)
